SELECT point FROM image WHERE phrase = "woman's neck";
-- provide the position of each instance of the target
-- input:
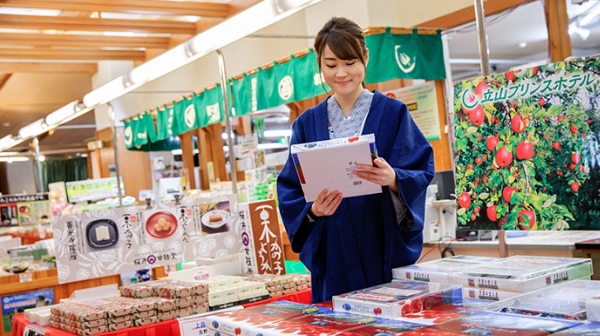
(347, 102)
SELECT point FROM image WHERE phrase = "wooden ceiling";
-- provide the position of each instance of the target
(48, 57)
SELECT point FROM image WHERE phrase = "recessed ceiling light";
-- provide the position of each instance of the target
(6, 124)
(522, 44)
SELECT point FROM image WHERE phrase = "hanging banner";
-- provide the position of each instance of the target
(248, 94)
(278, 84)
(405, 56)
(164, 122)
(308, 79)
(96, 244)
(422, 105)
(527, 148)
(209, 105)
(185, 116)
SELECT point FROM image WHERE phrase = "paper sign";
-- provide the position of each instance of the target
(331, 164)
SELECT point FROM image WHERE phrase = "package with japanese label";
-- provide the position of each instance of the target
(331, 164)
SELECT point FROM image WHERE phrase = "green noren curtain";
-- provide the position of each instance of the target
(67, 170)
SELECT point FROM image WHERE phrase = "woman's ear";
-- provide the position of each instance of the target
(366, 57)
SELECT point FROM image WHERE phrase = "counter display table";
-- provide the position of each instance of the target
(166, 328)
(540, 243)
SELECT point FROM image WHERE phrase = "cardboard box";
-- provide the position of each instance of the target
(330, 164)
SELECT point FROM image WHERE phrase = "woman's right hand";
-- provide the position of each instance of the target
(326, 203)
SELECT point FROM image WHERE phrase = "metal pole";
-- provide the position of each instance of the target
(225, 90)
(111, 117)
(484, 52)
(36, 144)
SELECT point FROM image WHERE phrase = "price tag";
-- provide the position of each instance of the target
(30, 331)
(195, 325)
(25, 277)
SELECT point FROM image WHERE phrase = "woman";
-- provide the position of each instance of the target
(353, 243)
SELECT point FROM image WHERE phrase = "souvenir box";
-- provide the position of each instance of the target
(498, 324)
(397, 298)
(340, 156)
(562, 301)
(522, 273)
(437, 270)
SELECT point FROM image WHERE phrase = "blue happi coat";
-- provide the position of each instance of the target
(358, 245)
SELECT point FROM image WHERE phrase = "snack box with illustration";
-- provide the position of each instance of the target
(244, 320)
(438, 270)
(499, 324)
(522, 273)
(340, 156)
(397, 298)
(563, 301)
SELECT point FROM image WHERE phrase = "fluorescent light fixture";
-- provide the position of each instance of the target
(245, 23)
(105, 93)
(32, 129)
(224, 136)
(13, 159)
(29, 11)
(588, 18)
(160, 65)
(277, 133)
(271, 146)
(62, 113)
(7, 142)
(239, 26)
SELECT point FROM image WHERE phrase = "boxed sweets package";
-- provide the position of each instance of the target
(562, 301)
(438, 270)
(522, 273)
(340, 156)
(496, 324)
(397, 298)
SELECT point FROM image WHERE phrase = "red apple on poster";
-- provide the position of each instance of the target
(524, 217)
(491, 213)
(491, 142)
(507, 193)
(524, 150)
(503, 157)
(517, 124)
(481, 88)
(556, 145)
(575, 186)
(510, 76)
(464, 200)
(575, 157)
(477, 116)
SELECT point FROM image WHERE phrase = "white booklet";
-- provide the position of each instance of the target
(330, 164)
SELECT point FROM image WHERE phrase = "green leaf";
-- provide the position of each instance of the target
(461, 211)
(555, 110)
(483, 196)
(472, 129)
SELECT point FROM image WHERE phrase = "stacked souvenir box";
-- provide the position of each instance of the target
(508, 277)
(290, 318)
(398, 298)
(495, 324)
(78, 319)
(167, 299)
(278, 285)
(226, 291)
(563, 301)
(438, 270)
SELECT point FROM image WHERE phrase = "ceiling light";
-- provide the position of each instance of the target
(522, 44)
(62, 113)
(32, 129)
(42, 158)
(278, 133)
(105, 93)
(588, 18)
(14, 159)
(29, 11)
(7, 142)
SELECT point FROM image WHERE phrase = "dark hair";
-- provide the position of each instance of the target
(344, 37)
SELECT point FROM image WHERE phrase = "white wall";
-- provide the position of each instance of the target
(21, 177)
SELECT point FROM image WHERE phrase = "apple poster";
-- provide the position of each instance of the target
(526, 148)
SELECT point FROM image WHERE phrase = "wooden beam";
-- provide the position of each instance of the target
(557, 22)
(4, 77)
(467, 14)
(83, 41)
(88, 24)
(187, 156)
(204, 9)
(39, 67)
(71, 54)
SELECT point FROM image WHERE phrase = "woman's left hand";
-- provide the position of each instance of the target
(380, 173)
